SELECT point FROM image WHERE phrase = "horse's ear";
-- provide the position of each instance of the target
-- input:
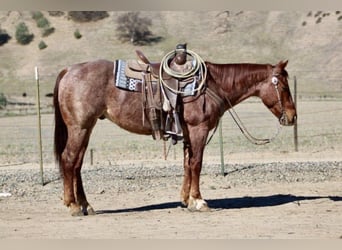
(283, 64)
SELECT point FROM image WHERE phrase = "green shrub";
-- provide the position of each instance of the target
(42, 45)
(22, 34)
(77, 34)
(48, 31)
(3, 100)
(56, 13)
(37, 15)
(4, 37)
(42, 22)
(87, 16)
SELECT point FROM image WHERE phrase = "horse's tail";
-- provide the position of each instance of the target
(61, 131)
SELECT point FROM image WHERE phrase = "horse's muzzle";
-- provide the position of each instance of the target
(287, 119)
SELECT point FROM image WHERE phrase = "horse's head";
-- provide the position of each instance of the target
(275, 94)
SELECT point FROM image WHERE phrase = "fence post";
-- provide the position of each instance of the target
(295, 128)
(39, 128)
(91, 156)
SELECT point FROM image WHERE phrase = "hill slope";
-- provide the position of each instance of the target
(310, 40)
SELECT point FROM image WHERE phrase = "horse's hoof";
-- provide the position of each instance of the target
(91, 211)
(184, 200)
(198, 205)
(88, 210)
(184, 203)
(75, 210)
(76, 213)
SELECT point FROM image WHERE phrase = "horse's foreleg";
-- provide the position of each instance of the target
(193, 155)
(185, 192)
(196, 202)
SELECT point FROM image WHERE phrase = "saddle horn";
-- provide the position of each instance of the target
(142, 57)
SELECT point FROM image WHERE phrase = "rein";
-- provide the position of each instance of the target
(244, 130)
(238, 121)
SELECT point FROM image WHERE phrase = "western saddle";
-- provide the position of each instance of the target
(161, 85)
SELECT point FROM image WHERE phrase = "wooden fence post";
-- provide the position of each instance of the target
(295, 128)
(91, 156)
(39, 127)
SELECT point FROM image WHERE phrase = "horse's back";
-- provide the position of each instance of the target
(100, 67)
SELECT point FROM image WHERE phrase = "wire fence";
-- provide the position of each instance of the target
(319, 129)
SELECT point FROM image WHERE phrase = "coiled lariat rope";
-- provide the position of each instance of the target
(198, 67)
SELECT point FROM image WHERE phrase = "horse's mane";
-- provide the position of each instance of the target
(242, 73)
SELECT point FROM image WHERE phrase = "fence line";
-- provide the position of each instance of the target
(319, 126)
(18, 143)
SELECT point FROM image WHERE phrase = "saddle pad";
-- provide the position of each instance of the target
(122, 81)
(128, 77)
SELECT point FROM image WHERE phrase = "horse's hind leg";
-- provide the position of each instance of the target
(80, 196)
(72, 159)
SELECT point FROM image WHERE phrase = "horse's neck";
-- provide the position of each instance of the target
(237, 94)
(234, 87)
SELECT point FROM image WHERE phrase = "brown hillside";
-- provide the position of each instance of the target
(310, 40)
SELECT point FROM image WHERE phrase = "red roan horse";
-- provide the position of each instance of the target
(86, 92)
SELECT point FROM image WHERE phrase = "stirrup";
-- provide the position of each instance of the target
(173, 133)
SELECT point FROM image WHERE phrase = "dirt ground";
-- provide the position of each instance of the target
(149, 207)
(268, 193)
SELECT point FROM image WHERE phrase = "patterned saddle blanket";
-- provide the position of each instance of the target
(130, 75)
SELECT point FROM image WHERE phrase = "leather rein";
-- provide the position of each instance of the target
(220, 102)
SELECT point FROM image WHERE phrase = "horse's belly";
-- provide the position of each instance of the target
(131, 121)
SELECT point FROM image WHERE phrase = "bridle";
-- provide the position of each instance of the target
(237, 119)
(283, 117)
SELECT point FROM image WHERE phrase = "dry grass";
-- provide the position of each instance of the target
(252, 36)
(319, 129)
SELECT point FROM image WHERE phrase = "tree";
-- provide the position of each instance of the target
(135, 29)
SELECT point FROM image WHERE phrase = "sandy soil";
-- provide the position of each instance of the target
(271, 192)
(260, 202)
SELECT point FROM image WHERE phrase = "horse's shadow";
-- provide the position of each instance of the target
(230, 203)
